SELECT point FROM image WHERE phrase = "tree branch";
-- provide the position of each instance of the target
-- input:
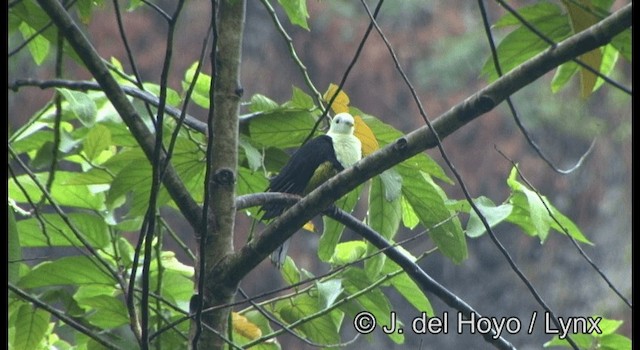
(87, 53)
(426, 283)
(417, 141)
(216, 234)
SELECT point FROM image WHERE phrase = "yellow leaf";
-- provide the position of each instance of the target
(341, 103)
(581, 17)
(366, 136)
(309, 226)
(244, 327)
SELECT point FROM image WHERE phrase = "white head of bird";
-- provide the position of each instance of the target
(342, 123)
(346, 145)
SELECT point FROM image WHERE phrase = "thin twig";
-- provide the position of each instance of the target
(292, 51)
(566, 232)
(552, 43)
(512, 108)
(463, 185)
(346, 73)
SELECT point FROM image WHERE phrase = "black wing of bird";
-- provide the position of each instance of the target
(295, 175)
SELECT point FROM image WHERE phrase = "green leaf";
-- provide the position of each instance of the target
(348, 252)
(250, 182)
(200, 93)
(253, 156)
(392, 184)
(409, 218)
(296, 11)
(290, 272)
(173, 97)
(522, 44)
(176, 287)
(607, 326)
(614, 342)
(285, 129)
(14, 248)
(328, 292)
(566, 226)
(95, 176)
(407, 287)
(563, 75)
(73, 270)
(530, 202)
(492, 213)
(427, 200)
(38, 46)
(97, 140)
(261, 322)
(323, 329)
(533, 212)
(374, 301)
(30, 328)
(57, 233)
(386, 134)
(583, 341)
(301, 100)
(333, 229)
(537, 12)
(384, 217)
(622, 42)
(609, 59)
(261, 103)
(135, 178)
(65, 195)
(189, 161)
(81, 105)
(106, 311)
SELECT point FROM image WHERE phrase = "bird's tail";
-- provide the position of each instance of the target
(279, 255)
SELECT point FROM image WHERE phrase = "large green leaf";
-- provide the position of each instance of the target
(97, 140)
(81, 105)
(333, 229)
(384, 217)
(535, 214)
(135, 178)
(323, 329)
(73, 270)
(30, 327)
(79, 196)
(407, 287)
(282, 129)
(106, 311)
(522, 44)
(374, 301)
(14, 248)
(57, 233)
(38, 46)
(348, 252)
(428, 203)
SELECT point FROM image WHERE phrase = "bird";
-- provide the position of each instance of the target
(312, 164)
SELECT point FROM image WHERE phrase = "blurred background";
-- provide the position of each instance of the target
(442, 47)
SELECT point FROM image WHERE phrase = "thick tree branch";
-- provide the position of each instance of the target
(222, 157)
(89, 56)
(417, 141)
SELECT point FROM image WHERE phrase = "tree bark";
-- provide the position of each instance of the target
(223, 158)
